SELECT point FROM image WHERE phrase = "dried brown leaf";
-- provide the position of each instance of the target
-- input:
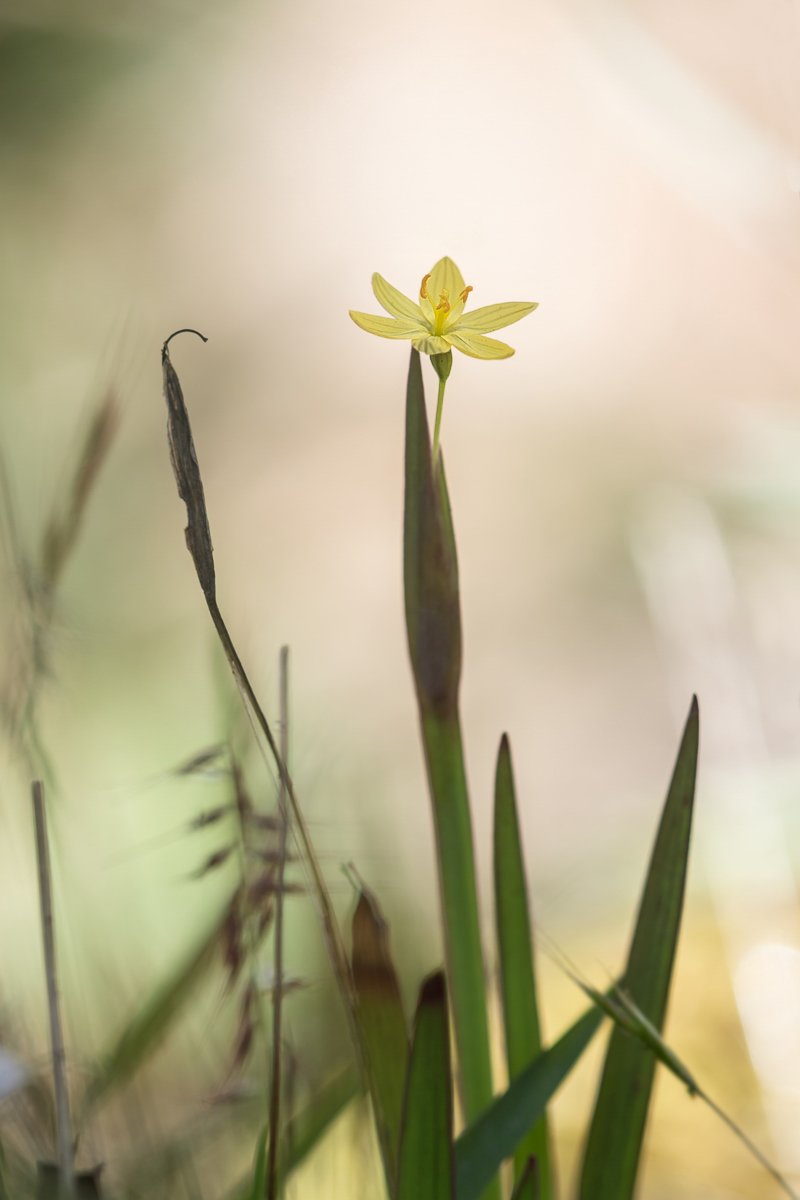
(187, 474)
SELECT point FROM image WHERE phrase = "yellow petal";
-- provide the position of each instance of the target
(426, 308)
(386, 327)
(477, 346)
(430, 344)
(494, 316)
(395, 302)
(445, 276)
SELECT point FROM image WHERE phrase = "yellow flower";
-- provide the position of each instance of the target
(439, 321)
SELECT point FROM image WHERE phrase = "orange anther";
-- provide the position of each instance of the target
(444, 301)
(422, 293)
(466, 292)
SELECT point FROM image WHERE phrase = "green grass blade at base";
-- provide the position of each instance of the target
(426, 1142)
(305, 1131)
(614, 1143)
(494, 1137)
(444, 758)
(381, 1026)
(515, 951)
(259, 1188)
(527, 1186)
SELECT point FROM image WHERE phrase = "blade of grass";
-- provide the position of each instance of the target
(143, 1033)
(62, 530)
(306, 1129)
(66, 1165)
(494, 1137)
(614, 1143)
(515, 951)
(30, 650)
(527, 1187)
(629, 1018)
(198, 541)
(425, 1169)
(277, 991)
(260, 1166)
(430, 574)
(382, 1025)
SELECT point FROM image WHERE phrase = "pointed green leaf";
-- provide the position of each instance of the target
(304, 1131)
(528, 1187)
(614, 1143)
(515, 950)
(381, 1025)
(496, 1134)
(426, 1140)
(430, 571)
(259, 1189)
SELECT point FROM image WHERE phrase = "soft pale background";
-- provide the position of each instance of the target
(243, 169)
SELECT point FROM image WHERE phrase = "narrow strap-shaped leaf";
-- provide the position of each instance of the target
(259, 1188)
(495, 1135)
(304, 1131)
(528, 1187)
(515, 950)
(430, 569)
(426, 1140)
(613, 1147)
(381, 1026)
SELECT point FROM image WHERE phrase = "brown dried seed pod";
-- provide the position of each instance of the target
(232, 948)
(215, 860)
(209, 817)
(243, 801)
(264, 821)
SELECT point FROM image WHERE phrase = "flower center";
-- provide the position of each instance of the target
(442, 308)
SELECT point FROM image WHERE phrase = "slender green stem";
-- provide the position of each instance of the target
(438, 423)
(444, 758)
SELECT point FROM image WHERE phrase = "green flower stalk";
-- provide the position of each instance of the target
(442, 365)
(433, 622)
(434, 324)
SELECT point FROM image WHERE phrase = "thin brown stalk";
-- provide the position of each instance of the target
(66, 1171)
(277, 992)
(198, 542)
(330, 928)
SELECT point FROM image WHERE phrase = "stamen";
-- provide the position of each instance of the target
(463, 295)
(422, 292)
(444, 301)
